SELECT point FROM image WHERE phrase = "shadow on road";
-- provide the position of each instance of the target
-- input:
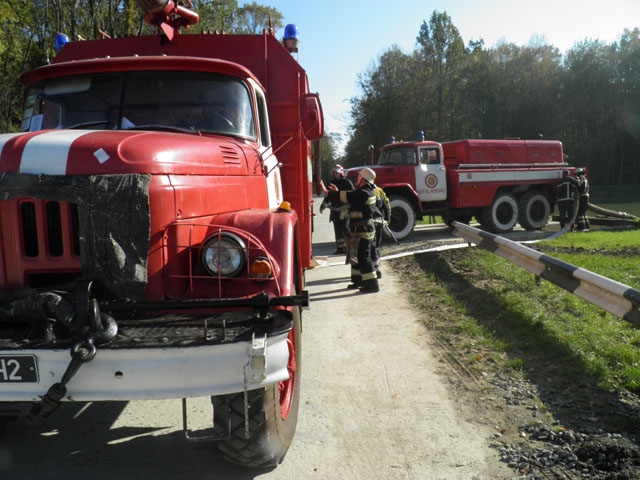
(80, 441)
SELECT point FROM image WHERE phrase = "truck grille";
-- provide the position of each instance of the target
(40, 242)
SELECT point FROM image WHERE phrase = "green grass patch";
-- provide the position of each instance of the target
(489, 308)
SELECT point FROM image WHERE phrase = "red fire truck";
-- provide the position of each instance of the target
(499, 182)
(156, 227)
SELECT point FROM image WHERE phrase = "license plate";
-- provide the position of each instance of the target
(18, 368)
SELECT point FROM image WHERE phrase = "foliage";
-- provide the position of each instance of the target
(589, 98)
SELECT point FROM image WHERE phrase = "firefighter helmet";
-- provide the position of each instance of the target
(368, 174)
(338, 169)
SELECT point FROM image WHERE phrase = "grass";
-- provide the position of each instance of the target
(491, 309)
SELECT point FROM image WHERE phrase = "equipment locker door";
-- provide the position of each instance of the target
(431, 182)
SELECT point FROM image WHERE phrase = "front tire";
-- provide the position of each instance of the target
(403, 218)
(534, 210)
(502, 215)
(272, 413)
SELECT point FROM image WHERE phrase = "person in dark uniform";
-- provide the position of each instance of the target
(566, 194)
(384, 209)
(362, 210)
(582, 222)
(339, 215)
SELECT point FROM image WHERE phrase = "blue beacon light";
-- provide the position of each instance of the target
(291, 39)
(60, 41)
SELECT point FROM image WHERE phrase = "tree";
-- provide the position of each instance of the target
(442, 52)
(589, 94)
(627, 114)
(381, 110)
(215, 16)
(253, 18)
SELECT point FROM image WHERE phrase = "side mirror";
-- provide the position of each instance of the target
(311, 116)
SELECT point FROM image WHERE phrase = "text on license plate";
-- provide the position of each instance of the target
(18, 368)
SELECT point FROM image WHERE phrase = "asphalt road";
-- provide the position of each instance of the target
(374, 406)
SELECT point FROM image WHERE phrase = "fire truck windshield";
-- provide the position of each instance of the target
(397, 156)
(194, 101)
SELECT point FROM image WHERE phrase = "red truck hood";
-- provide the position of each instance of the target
(92, 152)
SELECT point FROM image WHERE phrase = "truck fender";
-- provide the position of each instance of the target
(408, 192)
(277, 230)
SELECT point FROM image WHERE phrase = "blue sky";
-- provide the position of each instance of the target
(342, 39)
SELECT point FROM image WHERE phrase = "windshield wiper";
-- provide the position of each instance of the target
(88, 124)
(162, 128)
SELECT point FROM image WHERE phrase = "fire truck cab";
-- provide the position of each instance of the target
(156, 226)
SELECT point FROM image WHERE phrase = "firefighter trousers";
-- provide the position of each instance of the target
(363, 274)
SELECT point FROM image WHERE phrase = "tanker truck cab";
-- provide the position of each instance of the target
(413, 176)
(425, 163)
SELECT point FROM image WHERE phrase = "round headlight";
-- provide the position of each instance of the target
(224, 255)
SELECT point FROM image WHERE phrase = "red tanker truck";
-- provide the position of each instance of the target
(499, 182)
(156, 226)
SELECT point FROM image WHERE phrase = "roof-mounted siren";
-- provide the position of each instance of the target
(168, 15)
(60, 40)
(291, 39)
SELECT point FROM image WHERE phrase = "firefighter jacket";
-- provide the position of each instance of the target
(583, 187)
(339, 211)
(362, 210)
(566, 189)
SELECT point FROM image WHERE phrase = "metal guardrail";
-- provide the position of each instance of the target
(614, 297)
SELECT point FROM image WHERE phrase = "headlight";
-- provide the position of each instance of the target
(224, 255)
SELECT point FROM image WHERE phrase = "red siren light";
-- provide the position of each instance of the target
(168, 16)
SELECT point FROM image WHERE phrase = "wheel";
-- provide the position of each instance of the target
(502, 215)
(534, 210)
(403, 218)
(272, 411)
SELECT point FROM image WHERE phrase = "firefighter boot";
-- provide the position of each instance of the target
(370, 286)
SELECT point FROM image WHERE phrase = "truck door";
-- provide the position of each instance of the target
(431, 182)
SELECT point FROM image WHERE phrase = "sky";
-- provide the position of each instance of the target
(340, 40)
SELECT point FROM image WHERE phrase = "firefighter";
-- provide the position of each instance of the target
(582, 222)
(566, 194)
(381, 217)
(362, 210)
(339, 215)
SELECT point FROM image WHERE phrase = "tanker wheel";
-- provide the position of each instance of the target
(403, 218)
(502, 215)
(272, 413)
(534, 210)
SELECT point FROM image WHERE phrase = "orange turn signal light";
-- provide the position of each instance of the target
(260, 268)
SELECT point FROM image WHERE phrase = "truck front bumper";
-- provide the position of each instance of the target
(155, 373)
